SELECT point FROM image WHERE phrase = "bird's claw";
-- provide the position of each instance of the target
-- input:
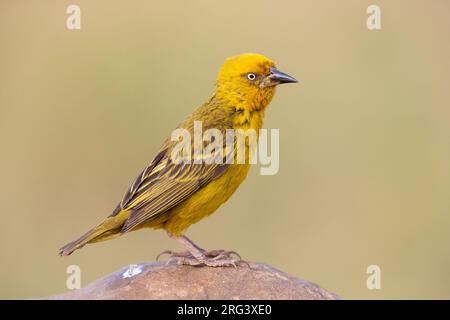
(219, 254)
(173, 254)
(213, 258)
(163, 253)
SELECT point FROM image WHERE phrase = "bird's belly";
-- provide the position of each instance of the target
(206, 200)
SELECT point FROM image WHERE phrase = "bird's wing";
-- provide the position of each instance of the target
(163, 185)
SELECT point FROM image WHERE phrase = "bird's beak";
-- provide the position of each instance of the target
(276, 77)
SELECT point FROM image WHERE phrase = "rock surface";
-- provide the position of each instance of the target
(161, 281)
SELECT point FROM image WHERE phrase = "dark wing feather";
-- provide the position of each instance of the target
(164, 186)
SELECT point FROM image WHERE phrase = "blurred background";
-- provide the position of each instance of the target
(364, 173)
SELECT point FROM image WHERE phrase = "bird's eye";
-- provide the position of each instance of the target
(251, 76)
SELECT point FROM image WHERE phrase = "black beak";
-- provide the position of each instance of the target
(279, 77)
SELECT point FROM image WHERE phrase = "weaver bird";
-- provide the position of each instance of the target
(172, 196)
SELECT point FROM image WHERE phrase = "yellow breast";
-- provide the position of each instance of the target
(206, 200)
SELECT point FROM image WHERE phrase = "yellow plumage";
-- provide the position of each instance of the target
(174, 196)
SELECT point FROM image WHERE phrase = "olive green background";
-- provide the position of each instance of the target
(364, 137)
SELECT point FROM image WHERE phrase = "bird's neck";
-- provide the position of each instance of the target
(248, 108)
(245, 119)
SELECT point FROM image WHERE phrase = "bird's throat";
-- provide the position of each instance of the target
(249, 119)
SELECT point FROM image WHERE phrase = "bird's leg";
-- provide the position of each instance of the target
(189, 244)
(196, 256)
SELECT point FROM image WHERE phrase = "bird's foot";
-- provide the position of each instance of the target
(213, 258)
(173, 254)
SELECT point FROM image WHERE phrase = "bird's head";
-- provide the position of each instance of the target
(249, 80)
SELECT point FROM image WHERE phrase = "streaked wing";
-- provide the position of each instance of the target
(163, 185)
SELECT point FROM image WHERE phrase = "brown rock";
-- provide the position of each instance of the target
(161, 281)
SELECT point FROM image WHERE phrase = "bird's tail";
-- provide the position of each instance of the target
(108, 229)
(77, 244)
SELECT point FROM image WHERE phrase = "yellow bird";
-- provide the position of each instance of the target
(172, 195)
